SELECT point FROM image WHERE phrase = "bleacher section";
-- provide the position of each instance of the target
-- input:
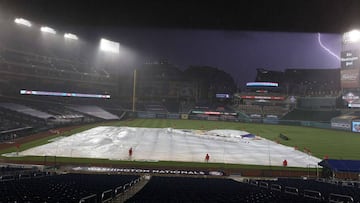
(172, 106)
(323, 187)
(26, 110)
(7, 124)
(16, 171)
(185, 107)
(50, 64)
(31, 185)
(264, 111)
(304, 82)
(40, 71)
(94, 111)
(185, 189)
(10, 130)
(24, 116)
(49, 105)
(250, 109)
(60, 112)
(275, 110)
(181, 189)
(13, 126)
(42, 187)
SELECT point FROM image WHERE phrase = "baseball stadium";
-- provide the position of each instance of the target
(79, 123)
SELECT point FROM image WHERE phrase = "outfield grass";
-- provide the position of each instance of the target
(321, 142)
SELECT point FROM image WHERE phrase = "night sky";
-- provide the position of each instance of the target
(191, 34)
(239, 53)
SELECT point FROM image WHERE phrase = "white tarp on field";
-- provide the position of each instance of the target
(153, 144)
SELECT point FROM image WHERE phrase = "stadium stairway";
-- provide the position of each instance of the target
(132, 190)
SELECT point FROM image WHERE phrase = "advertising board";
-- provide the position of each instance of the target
(350, 59)
(349, 78)
(356, 126)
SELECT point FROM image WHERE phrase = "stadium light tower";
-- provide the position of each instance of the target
(70, 36)
(48, 30)
(109, 46)
(22, 21)
(352, 36)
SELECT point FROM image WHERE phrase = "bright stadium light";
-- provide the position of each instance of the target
(70, 36)
(109, 46)
(352, 36)
(47, 30)
(22, 21)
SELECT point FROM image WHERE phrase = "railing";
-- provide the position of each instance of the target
(118, 191)
(7, 178)
(254, 182)
(291, 190)
(303, 193)
(90, 198)
(106, 196)
(337, 198)
(275, 187)
(312, 194)
(264, 185)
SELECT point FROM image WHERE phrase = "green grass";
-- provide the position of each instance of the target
(321, 142)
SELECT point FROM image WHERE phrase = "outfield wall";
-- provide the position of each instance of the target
(275, 121)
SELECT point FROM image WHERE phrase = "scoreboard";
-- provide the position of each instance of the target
(63, 94)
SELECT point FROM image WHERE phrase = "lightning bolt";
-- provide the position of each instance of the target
(327, 49)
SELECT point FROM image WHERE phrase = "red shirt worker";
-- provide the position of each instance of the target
(207, 157)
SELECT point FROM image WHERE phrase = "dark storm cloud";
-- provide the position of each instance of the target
(238, 53)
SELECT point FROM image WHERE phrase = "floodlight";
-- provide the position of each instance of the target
(352, 36)
(70, 36)
(109, 46)
(47, 30)
(22, 21)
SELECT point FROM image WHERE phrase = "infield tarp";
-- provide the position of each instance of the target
(167, 144)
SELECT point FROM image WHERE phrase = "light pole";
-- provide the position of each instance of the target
(134, 92)
(352, 36)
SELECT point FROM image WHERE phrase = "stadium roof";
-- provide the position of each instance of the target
(341, 165)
